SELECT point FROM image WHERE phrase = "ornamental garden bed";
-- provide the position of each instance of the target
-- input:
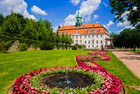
(86, 78)
(98, 52)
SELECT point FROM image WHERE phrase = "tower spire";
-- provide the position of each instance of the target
(78, 20)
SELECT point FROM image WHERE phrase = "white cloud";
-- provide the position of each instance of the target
(120, 31)
(75, 2)
(126, 23)
(86, 9)
(109, 24)
(26, 14)
(55, 28)
(38, 11)
(96, 16)
(18, 6)
(105, 4)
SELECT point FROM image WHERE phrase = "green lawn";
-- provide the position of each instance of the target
(14, 64)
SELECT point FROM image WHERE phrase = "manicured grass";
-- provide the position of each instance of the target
(14, 64)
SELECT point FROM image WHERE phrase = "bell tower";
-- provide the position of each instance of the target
(78, 20)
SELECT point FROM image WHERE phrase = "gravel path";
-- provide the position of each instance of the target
(131, 60)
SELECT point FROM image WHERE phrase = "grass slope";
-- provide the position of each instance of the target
(14, 64)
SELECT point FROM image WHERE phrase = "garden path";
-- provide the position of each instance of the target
(131, 60)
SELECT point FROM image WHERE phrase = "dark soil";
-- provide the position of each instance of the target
(78, 80)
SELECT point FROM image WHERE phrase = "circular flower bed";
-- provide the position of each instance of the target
(32, 82)
(138, 52)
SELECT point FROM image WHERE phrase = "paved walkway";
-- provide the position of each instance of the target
(131, 60)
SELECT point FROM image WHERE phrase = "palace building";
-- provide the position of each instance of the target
(92, 35)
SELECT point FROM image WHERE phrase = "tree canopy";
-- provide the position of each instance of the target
(122, 6)
(16, 27)
(127, 38)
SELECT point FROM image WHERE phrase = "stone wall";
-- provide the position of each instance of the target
(14, 46)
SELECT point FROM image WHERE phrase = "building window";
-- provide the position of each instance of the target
(85, 42)
(89, 46)
(73, 42)
(63, 27)
(92, 41)
(93, 46)
(93, 36)
(89, 36)
(80, 36)
(67, 32)
(97, 42)
(85, 36)
(101, 36)
(99, 30)
(97, 36)
(72, 27)
(83, 26)
(92, 31)
(101, 41)
(87, 31)
(88, 42)
(76, 36)
(97, 46)
(80, 41)
(93, 25)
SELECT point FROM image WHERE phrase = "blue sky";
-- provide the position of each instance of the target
(60, 12)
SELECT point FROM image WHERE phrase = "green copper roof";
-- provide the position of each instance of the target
(78, 15)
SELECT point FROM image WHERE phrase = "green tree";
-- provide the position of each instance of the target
(12, 26)
(127, 38)
(1, 19)
(63, 38)
(66, 39)
(58, 39)
(70, 41)
(121, 6)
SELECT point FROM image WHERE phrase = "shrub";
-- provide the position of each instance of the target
(74, 47)
(22, 46)
(9, 44)
(2, 46)
(47, 46)
(36, 44)
(84, 46)
(80, 46)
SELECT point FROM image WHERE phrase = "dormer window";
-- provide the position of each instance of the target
(63, 27)
(87, 31)
(99, 30)
(72, 27)
(93, 25)
(83, 26)
(67, 32)
(92, 31)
